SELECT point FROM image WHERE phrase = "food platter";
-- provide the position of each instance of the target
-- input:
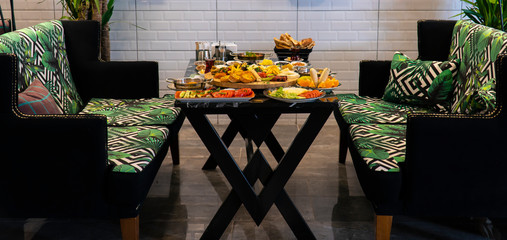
(215, 95)
(254, 85)
(233, 99)
(287, 100)
(321, 89)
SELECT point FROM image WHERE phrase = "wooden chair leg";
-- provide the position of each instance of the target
(130, 228)
(383, 225)
(342, 154)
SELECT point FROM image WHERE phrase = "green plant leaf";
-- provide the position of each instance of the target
(374, 153)
(150, 133)
(108, 13)
(117, 155)
(496, 46)
(356, 100)
(124, 168)
(484, 39)
(485, 12)
(441, 86)
(49, 61)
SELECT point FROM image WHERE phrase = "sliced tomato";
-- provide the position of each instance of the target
(262, 74)
(243, 92)
(229, 93)
(311, 94)
(177, 94)
(223, 94)
(218, 94)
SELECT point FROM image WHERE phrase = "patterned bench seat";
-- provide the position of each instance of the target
(362, 109)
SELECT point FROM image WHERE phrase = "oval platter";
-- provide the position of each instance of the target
(287, 100)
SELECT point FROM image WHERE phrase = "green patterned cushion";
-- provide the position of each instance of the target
(130, 149)
(355, 109)
(382, 146)
(421, 83)
(134, 112)
(478, 48)
(41, 54)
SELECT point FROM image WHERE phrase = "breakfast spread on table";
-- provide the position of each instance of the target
(254, 70)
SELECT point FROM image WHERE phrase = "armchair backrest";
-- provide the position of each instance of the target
(41, 54)
(434, 39)
(478, 47)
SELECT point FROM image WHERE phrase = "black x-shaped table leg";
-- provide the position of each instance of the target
(257, 168)
(230, 133)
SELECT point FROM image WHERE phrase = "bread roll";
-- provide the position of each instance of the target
(256, 75)
(315, 77)
(323, 75)
(306, 42)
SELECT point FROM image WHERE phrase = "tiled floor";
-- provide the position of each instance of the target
(184, 198)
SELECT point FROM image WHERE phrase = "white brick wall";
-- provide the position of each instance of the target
(346, 31)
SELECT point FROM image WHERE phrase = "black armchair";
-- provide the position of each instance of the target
(454, 162)
(56, 165)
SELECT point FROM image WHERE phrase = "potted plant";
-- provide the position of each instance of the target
(100, 10)
(486, 12)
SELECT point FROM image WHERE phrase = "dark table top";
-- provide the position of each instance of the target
(261, 103)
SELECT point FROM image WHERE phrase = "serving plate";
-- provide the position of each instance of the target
(299, 64)
(211, 100)
(186, 83)
(287, 100)
(321, 89)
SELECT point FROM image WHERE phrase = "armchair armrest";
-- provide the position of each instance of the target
(115, 79)
(373, 77)
(53, 165)
(455, 165)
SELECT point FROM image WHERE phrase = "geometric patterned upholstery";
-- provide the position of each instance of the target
(130, 149)
(42, 55)
(356, 109)
(478, 47)
(134, 112)
(421, 83)
(382, 146)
